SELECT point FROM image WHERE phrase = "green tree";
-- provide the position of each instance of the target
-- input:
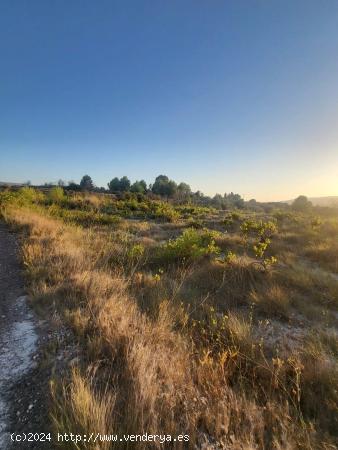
(86, 183)
(124, 184)
(114, 185)
(171, 188)
(218, 201)
(184, 188)
(144, 185)
(73, 186)
(119, 185)
(301, 203)
(234, 200)
(139, 187)
(183, 192)
(160, 184)
(164, 187)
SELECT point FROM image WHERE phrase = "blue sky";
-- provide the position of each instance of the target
(228, 95)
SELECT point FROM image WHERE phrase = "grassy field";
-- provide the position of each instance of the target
(217, 324)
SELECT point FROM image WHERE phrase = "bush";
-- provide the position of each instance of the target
(261, 232)
(283, 216)
(195, 211)
(191, 245)
(29, 195)
(262, 229)
(162, 210)
(7, 197)
(301, 203)
(83, 218)
(228, 223)
(56, 194)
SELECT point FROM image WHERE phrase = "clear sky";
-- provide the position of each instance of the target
(227, 95)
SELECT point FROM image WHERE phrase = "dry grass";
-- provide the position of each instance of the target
(319, 286)
(151, 374)
(320, 381)
(88, 411)
(325, 253)
(273, 300)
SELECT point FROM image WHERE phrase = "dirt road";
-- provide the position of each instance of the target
(19, 340)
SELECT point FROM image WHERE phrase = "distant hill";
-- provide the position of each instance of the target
(8, 183)
(331, 201)
(325, 201)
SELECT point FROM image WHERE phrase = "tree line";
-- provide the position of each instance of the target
(163, 187)
(168, 189)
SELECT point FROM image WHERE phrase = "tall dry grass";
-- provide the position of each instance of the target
(140, 373)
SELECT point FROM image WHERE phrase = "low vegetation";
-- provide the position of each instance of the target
(216, 323)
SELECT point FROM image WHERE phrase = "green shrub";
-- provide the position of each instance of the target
(228, 222)
(262, 229)
(262, 233)
(83, 218)
(25, 196)
(136, 252)
(191, 245)
(28, 195)
(56, 195)
(283, 216)
(7, 197)
(197, 211)
(162, 210)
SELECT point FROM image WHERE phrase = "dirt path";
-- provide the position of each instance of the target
(19, 341)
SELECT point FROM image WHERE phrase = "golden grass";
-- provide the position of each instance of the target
(325, 253)
(274, 300)
(150, 375)
(88, 411)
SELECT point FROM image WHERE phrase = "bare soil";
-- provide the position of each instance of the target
(23, 383)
